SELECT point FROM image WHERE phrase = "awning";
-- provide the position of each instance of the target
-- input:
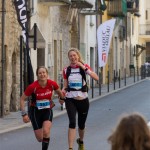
(54, 2)
(81, 4)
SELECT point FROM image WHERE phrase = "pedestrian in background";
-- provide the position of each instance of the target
(75, 90)
(131, 133)
(41, 113)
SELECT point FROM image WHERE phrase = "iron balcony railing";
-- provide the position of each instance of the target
(144, 29)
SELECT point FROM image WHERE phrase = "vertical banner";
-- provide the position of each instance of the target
(104, 35)
(21, 10)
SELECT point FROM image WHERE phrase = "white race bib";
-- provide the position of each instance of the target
(75, 85)
(43, 104)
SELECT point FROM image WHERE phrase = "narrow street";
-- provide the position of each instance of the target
(103, 116)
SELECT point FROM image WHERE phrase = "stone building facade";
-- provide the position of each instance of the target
(59, 32)
(62, 27)
(12, 54)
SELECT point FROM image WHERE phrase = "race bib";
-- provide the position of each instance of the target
(43, 104)
(75, 84)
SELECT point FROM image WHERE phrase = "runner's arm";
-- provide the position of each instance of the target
(22, 102)
(88, 71)
(60, 94)
(65, 85)
(93, 75)
(22, 108)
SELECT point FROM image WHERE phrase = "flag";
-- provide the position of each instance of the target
(104, 35)
(21, 10)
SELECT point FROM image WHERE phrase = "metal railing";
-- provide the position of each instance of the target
(117, 82)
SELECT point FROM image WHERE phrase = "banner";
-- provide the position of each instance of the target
(104, 35)
(21, 9)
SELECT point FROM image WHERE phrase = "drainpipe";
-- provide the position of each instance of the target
(3, 59)
(96, 8)
(79, 29)
(21, 50)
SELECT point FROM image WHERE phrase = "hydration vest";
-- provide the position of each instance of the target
(82, 72)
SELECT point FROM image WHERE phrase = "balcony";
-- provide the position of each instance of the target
(144, 31)
(132, 6)
(54, 2)
(81, 4)
(117, 8)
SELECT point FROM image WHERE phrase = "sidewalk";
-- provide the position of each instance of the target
(13, 121)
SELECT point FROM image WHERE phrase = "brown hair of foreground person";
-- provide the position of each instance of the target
(131, 133)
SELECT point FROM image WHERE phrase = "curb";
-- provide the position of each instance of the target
(114, 91)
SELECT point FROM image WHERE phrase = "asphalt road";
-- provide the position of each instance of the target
(103, 116)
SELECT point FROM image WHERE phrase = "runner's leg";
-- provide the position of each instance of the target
(71, 111)
(46, 134)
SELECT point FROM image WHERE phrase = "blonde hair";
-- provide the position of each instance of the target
(77, 52)
(39, 67)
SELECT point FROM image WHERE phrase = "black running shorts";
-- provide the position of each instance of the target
(37, 117)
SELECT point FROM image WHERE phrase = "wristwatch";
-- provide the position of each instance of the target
(23, 113)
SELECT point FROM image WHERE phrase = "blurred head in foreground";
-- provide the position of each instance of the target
(131, 133)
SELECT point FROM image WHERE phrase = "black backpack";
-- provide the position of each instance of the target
(82, 72)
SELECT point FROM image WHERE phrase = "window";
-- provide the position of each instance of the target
(50, 58)
(132, 26)
(31, 6)
(61, 56)
(146, 14)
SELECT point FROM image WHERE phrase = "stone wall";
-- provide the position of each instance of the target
(12, 65)
(57, 29)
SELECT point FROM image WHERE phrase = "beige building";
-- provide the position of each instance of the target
(58, 29)
(144, 31)
(122, 59)
(58, 23)
(9, 64)
(64, 24)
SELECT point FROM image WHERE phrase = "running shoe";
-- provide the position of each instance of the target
(80, 144)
